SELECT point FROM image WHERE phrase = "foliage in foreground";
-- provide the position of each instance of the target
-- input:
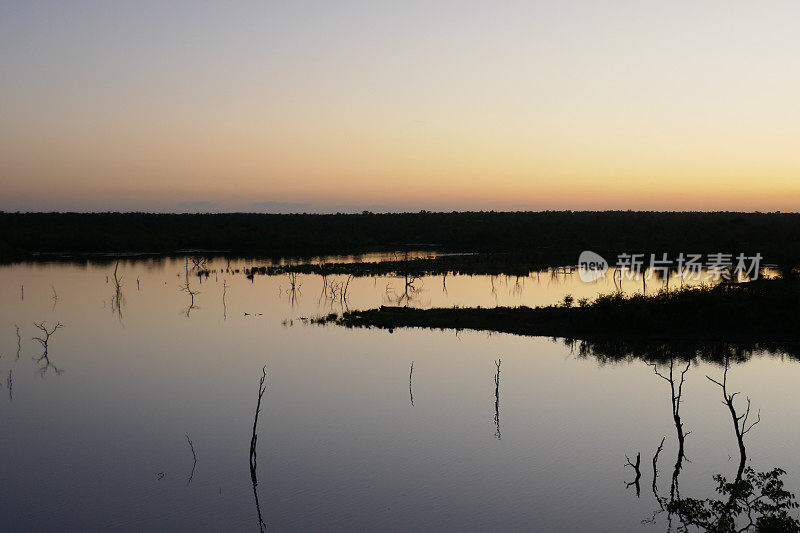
(756, 502)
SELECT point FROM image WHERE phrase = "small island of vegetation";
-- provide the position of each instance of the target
(762, 314)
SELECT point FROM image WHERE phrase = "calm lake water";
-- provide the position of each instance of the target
(97, 438)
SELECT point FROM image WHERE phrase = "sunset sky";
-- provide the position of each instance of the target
(326, 106)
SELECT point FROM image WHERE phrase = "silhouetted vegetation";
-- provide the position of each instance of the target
(680, 323)
(513, 264)
(44, 359)
(758, 500)
(552, 237)
(262, 388)
(753, 501)
(497, 400)
(194, 460)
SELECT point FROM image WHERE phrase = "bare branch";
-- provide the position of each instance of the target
(497, 399)
(635, 467)
(194, 456)
(253, 452)
(410, 390)
(19, 341)
(44, 341)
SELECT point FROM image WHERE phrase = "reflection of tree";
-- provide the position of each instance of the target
(497, 399)
(655, 468)
(336, 291)
(606, 349)
(44, 359)
(253, 452)
(637, 471)
(519, 285)
(410, 389)
(294, 288)
(757, 499)
(676, 395)
(676, 379)
(19, 341)
(740, 426)
(324, 293)
(117, 299)
(194, 457)
(187, 288)
(199, 263)
(224, 304)
(409, 292)
(753, 501)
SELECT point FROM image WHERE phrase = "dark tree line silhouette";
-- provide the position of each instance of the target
(554, 236)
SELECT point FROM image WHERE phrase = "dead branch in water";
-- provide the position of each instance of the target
(294, 287)
(253, 452)
(635, 467)
(117, 299)
(497, 399)
(224, 305)
(186, 287)
(199, 263)
(410, 376)
(194, 456)
(740, 426)
(44, 341)
(655, 467)
(676, 389)
(19, 341)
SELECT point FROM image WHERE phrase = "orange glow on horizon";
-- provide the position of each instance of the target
(525, 106)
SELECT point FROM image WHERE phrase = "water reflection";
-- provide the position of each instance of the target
(410, 384)
(344, 450)
(19, 341)
(676, 393)
(740, 426)
(753, 501)
(187, 288)
(44, 359)
(117, 298)
(253, 448)
(615, 350)
(637, 471)
(756, 502)
(194, 459)
(54, 297)
(409, 293)
(497, 399)
(224, 303)
(294, 288)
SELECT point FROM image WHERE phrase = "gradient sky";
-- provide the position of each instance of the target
(315, 106)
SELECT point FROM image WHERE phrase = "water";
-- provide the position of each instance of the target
(98, 440)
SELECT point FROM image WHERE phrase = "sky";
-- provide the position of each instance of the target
(301, 106)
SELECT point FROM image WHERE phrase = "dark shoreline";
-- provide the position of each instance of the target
(547, 237)
(759, 315)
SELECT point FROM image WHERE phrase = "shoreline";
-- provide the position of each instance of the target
(756, 315)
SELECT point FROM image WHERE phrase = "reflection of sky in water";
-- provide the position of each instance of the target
(340, 446)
